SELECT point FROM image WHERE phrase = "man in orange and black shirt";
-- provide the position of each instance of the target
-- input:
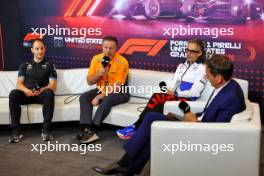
(109, 79)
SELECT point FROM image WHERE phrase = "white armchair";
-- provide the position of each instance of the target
(215, 149)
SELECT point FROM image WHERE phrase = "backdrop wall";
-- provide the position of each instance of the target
(153, 33)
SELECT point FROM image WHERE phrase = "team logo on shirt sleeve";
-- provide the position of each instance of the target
(29, 67)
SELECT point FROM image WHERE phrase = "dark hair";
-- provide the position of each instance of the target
(111, 38)
(220, 64)
(201, 44)
(37, 40)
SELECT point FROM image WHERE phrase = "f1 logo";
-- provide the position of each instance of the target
(29, 37)
(149, 46)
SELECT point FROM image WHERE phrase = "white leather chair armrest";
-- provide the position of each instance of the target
(241, 139)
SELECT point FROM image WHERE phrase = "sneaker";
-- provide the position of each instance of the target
(15, 138)
(82, 133)
(89, 138)
(46, 135)
(79, 136)
(126, 133)
(125, 137)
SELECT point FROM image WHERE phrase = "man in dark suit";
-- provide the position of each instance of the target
(226, 100)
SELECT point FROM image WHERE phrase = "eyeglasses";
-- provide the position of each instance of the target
(191, 51)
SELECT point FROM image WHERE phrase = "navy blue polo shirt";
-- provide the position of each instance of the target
(34, 73)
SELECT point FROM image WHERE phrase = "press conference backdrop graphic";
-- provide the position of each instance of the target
(152, 34)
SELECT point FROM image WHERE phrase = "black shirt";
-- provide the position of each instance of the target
(37, 74)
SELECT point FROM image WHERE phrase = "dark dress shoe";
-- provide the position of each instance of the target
(111, 170)
(124, 174)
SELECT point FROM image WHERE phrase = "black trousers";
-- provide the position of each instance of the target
(18, 97)
(86, 107)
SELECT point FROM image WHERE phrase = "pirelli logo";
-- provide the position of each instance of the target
(149, 46)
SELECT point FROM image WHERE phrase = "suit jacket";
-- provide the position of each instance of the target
(229, 101)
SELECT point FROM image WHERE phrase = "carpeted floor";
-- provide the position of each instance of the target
(19, 160)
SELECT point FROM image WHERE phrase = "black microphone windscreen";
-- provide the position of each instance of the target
(105, 61)
(163, 86)
(185, 107)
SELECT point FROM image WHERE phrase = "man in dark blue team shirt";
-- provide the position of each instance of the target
(37, 82)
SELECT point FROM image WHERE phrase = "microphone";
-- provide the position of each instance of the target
(163, 86)
(185, 107)
(37, 87)
(105, 61)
